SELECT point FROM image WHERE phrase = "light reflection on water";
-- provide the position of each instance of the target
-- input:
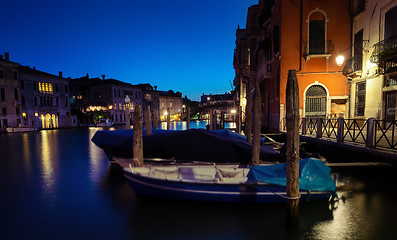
(59, 184)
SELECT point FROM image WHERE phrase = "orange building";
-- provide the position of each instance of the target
(306, 36)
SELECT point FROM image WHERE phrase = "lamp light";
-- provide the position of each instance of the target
(339, 60)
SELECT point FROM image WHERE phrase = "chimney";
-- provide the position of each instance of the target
(34, 68)
(155, 88)
(1, 57)
(103, 77)
(7, 56)
(60, 74)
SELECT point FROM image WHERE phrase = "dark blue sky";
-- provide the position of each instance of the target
(183, 45)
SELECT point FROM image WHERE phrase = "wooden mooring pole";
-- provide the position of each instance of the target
(256, 143)
(168, 119)
(292, 118)
(188, 116)
(148, 121)
(155, 118)
(137, 142)
(248, 115)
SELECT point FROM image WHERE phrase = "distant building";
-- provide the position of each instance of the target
(10, 96)
(103, 98)
(150, 97)
(45, 99)
(170, 103)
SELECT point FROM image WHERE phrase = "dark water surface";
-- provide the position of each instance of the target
(58, 185)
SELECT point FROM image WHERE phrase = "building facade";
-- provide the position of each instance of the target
(170, 103)
(10, 96)
(305, 36)
(45, 99)
(371, 65)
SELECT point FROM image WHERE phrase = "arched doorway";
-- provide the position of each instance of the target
(316, 102)
(48, 121)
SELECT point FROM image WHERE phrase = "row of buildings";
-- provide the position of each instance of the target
(310, 36)
(33, 98)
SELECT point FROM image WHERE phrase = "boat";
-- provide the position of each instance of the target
(104, 123)
(188, 145)
(230, 182)
(20, 129)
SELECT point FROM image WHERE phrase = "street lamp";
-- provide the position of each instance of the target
(339, 60)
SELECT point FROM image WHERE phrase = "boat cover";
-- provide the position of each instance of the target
(314, 175)
(189, 145)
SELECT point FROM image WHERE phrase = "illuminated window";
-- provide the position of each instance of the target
(40, 87)
(50, 87)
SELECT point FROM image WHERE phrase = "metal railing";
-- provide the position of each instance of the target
(369, 132)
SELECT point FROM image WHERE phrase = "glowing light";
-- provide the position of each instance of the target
(339, 60)
(23, 114)
(110, 107)
(233, 111)
(165, 113)
(36, 114)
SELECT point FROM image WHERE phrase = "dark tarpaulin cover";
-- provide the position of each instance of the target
(188, 145)
(314, 175)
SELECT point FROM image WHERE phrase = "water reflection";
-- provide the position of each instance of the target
(47, 147)
(95, 157)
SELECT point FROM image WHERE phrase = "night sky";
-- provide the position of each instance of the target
(183, 45)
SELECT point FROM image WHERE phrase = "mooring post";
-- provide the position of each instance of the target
(155, 118)
(256, 143)
(292, 112)
(168, 119)
(137, 143)
(303, 126)
(248, 116)
(319, 131)
(238, 120)
(371, 133)
(340, 130)
(188, 116)
(148, 121)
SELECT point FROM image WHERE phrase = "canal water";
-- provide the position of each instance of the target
(56, 184)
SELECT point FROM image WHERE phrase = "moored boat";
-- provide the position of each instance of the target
(230, 182)
(104, 123)
(20, 129)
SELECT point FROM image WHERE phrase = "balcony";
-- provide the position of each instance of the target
(353, 66)
(318, 49)
(265, 70)
(385, 54)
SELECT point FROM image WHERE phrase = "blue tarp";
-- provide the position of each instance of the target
(314, 175)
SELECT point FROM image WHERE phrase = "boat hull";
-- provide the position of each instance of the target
(215, 192)
(20, 129)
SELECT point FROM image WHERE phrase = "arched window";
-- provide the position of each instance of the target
(317, 32)
(316, 102)
(16, 94)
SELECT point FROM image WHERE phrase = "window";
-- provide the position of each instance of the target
(2, 94)
(66, 102)
(35, 101)
(57, 101)
(16, 94)
(317, 32)
(316, 102)
(15, 75)
(4, 110)
(17, 110)
(276, 39)
(316, 37)
(1, 73)
(56, 88)
(360, 99)
(22, 84)
(66, 89)
(358, 51)
(23, 100)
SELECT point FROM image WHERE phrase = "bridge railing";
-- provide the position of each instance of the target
(370, 132)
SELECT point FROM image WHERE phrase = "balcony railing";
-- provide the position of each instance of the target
(353, 65)
(384, 49)
(318, 48)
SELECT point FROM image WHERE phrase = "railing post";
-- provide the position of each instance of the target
(340, 132)
(304, 126)
(319, 132)
(371, 132)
